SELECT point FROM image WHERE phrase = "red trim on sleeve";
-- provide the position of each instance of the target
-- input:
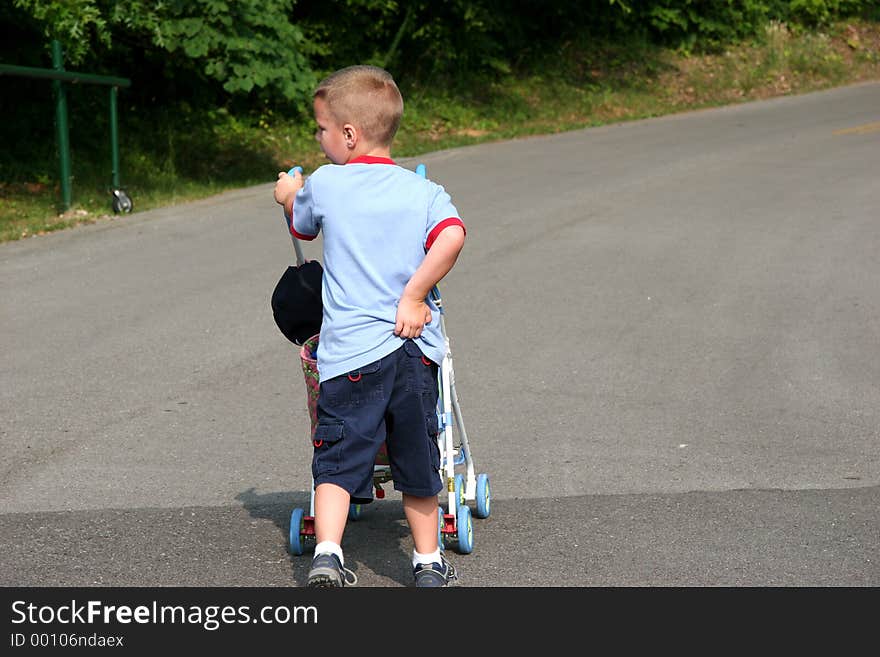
(371, 159)
(446, 223)
(300, 236)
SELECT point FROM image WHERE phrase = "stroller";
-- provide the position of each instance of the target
(463, 487)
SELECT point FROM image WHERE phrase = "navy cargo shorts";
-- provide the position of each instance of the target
(394, 400)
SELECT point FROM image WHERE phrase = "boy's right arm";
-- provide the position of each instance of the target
(286, 188)
(412, 311)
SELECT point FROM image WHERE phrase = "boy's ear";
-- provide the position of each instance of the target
(350, 134)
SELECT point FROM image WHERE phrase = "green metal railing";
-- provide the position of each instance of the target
(60, 78)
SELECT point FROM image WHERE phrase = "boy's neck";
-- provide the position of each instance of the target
(369, 151)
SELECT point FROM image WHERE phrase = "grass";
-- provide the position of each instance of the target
(198, 154)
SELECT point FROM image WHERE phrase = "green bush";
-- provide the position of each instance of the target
(208, 73)
(820, 12)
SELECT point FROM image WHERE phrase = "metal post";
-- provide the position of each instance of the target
(60, 77)
(61, 126)
(114, 138)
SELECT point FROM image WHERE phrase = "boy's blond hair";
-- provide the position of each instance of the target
(367, 97)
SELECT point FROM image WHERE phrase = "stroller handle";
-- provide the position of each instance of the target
(300, 258)
(434, 294)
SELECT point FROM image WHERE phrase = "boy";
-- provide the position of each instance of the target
(389, 237)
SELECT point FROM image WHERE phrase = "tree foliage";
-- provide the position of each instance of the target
(207, 73)
(242, 44)
(254, 56)
(278, 49)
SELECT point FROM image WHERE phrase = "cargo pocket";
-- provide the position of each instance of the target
(328, 449)
(421, 373)
(433, 429)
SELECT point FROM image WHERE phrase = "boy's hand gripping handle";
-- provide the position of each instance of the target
(300, 259)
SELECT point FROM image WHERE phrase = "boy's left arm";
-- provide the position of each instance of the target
(412, 311)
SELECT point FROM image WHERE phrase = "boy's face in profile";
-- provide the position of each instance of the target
(330, 134)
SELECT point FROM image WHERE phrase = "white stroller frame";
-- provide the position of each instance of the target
(460, 489)
(455, 524)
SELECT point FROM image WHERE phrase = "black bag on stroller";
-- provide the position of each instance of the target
(296, 301)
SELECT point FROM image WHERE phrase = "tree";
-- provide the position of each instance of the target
(243, 44)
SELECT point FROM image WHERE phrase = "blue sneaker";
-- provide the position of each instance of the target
(328, 572)
(434, 575)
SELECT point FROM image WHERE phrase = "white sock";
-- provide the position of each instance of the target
(332, 548)
(431, 557)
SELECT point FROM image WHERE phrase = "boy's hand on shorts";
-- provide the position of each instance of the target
(412, 315)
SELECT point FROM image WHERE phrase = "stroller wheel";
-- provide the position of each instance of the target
(484, 498)
(440, 522)
(465, 530)
(459, 489)
(296, 522)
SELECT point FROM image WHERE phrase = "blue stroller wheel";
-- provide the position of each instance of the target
(296, 522)
(484, 497)
(440, 522)
(459, 489)
(354, 511)
(465, 530)
(422, 171)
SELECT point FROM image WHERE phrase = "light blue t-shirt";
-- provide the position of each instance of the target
(377, 220)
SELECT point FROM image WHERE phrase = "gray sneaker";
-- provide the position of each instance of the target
(435, 575)
(328, 572)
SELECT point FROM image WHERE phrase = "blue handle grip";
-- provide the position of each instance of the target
(300, 259)
(284, 214)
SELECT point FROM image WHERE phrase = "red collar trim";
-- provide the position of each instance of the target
(371, 159)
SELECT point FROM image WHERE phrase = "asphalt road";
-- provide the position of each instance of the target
(666, 338)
